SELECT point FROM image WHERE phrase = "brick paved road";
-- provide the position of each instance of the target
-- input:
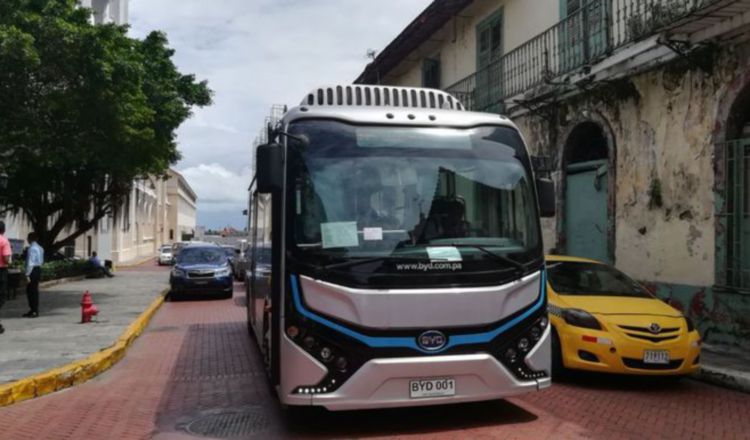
(195, 364)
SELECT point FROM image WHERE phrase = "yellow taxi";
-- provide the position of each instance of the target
(604, 321)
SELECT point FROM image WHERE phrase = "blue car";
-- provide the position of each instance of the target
(201, 268)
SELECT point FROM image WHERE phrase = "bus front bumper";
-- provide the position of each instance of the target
(385, 382)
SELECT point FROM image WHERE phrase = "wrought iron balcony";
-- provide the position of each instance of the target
(587, 35)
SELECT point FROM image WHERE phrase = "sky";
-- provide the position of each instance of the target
(256, 53)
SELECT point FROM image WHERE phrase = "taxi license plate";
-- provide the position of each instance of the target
(655, 357)
(419, 388)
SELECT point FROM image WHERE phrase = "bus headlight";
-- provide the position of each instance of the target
(513, 351)
(523, 345)
(327, 353)
(341, 363)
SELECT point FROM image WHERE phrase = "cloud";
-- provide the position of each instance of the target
(256, 53)
(217, 187)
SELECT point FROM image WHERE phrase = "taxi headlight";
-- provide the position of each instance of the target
(581, 318)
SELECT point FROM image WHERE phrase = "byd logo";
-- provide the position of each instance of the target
(432, 340)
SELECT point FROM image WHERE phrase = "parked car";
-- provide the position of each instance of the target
(241, 264)
(165, 255)
(177, 247)
(604, 321)
(232, 254)
(201, 268)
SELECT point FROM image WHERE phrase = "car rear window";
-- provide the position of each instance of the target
(580, 278)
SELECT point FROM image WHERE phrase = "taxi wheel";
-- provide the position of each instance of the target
(558, 368)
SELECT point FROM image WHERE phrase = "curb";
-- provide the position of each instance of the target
(132, 263)
(51, 283)
(80, 371)
(724, 377)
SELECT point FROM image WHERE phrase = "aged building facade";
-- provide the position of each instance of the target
(638, 109)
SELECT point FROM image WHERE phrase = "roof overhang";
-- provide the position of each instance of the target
(432, 19)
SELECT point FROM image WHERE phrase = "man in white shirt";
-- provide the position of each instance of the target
(34, 261)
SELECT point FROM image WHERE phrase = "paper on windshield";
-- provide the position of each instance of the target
(339, 234)
(373, 233)
(443, 253)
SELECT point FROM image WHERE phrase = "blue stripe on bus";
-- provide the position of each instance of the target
(411, 342)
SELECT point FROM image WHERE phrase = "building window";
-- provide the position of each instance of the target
(431, 72)
(585, 32)
(489, 80)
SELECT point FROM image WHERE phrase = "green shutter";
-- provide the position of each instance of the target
(488, 91)
(431, 73)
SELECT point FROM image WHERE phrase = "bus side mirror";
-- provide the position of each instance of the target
(270, 168)
(546, 191)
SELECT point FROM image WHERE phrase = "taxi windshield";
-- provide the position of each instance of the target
(583, 278)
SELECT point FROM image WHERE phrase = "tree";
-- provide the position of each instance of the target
(84, 111)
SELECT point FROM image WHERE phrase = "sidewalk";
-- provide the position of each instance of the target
(56, 337)
(726, 367)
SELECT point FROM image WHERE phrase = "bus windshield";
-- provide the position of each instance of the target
(440, 194)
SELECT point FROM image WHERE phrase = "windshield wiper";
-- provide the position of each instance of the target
(520, 267)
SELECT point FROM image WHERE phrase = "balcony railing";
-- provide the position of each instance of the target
(584, 37)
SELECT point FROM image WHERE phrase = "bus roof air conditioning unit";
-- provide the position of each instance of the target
(381, 96)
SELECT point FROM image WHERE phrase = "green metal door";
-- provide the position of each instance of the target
(586, 210)
(733, 255)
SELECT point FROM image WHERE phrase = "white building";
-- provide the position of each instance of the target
(181, 200)
(108, 11)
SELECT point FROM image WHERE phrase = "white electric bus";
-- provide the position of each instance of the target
(396, 253)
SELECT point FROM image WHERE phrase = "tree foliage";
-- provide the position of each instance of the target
(84, 111)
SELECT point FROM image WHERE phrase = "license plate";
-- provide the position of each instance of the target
(419, 388)
(655, 357)
(200, 282)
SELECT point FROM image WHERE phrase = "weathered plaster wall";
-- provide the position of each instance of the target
(663, 127)
(665, 124)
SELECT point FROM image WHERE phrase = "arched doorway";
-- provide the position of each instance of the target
(586, 165)
(733, 203)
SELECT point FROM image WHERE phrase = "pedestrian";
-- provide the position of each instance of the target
(99, 267)
(34, 261)
(5, 256)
